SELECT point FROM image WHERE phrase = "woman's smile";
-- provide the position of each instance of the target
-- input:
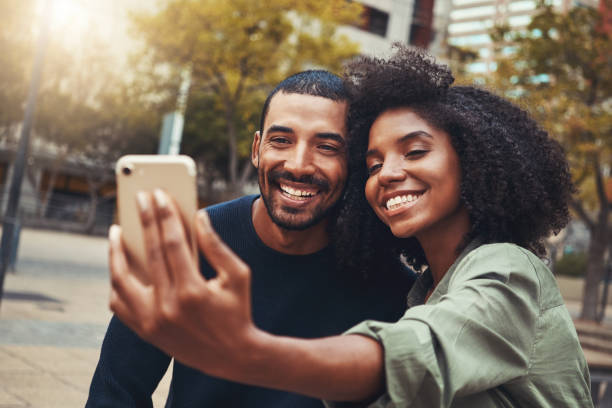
(415, 176)
(396, 202)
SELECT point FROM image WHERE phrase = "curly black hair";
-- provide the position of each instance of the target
(515, 180)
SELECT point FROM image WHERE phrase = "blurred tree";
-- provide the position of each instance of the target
(89, 110)
(91, 115)
(237, 50)
(459, 59)
(16, 54)
(561, 69)
(573, 264)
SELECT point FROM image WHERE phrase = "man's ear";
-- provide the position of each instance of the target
(255, 149)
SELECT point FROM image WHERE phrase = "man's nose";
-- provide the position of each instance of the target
(300, 160)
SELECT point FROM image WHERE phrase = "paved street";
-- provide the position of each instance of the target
(54, 314)
(52, 321)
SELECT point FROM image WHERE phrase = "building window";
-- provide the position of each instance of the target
(374, 21)
(421, 33)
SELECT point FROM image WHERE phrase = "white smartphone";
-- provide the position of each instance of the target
(175, 174)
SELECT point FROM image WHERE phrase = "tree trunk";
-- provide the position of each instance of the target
(595, 272)
(35, 183)
(46, 195)
(233, 185)
(90, 224)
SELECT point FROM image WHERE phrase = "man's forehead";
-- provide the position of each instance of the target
(285, 105)
(283, 95)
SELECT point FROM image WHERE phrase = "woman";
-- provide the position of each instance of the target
(473, 186)
(467, 187)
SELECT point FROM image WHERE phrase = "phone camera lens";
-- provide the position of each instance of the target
(127, 171)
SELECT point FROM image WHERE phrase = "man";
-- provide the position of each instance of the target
(300, 154)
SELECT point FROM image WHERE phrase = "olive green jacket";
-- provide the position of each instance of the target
(494, 333)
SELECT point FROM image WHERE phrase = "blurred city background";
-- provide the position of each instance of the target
(83, 82)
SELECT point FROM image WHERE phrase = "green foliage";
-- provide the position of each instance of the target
(237, 50)
(562, 72)
(458, 60)
(573, 264)
(204, 135)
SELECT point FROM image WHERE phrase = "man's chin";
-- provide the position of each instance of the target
(292, 222)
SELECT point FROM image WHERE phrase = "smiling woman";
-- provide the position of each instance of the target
(414, 178)
(468, 186)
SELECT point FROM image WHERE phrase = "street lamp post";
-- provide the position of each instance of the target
(10, 216)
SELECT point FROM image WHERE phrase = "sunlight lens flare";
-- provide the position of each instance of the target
(69, 15)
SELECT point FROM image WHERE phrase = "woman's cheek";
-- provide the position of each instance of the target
(370, 192)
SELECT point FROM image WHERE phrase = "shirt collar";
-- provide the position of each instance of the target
(424, 282)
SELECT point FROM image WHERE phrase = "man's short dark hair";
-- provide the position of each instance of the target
(316, 82)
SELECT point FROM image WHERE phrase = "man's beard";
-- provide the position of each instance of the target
(287, 217)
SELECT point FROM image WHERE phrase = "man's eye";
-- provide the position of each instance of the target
(328, 148)
(280, 140)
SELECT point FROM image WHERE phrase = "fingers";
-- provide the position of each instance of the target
(175, 243)
(230, 268)
(156, 264)
(128, 295)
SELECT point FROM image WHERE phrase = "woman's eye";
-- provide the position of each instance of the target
(416, 153)
(374, 168)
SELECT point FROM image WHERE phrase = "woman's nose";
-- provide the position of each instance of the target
(391, 171)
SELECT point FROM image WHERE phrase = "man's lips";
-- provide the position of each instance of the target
(298, 191)
(304, 183)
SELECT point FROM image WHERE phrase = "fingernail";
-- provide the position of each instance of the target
(160, 198)
(143, 201)
(203, 219)
(114, 233)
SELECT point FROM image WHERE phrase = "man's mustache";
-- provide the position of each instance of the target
(277, 176)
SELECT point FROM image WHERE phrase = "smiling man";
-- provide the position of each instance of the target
(283, 235)
(302, 168)
(309, 188)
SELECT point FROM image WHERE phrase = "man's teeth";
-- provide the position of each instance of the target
(401, 200)
(296, 193)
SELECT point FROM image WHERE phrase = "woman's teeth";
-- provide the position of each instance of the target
(296, 193)
(398, 201)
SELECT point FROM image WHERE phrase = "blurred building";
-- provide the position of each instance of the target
(387, 21)
(470, 22)
(69, 193)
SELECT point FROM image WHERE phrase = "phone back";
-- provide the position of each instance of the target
(175, 174)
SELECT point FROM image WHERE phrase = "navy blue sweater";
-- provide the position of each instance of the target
(299, 296)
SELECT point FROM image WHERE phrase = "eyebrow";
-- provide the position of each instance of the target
(331, 136)
(411, 135)
(280, 129)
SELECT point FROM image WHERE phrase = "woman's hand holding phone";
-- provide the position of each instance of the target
(204, 324)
